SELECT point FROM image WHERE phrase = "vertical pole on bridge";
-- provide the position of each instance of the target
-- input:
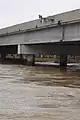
(63, 58)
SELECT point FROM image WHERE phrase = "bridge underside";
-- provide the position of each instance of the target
(9, 49)
(65, 48)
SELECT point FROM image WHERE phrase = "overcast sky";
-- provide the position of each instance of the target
(18, 11)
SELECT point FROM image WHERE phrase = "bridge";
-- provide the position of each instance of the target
(58, 34)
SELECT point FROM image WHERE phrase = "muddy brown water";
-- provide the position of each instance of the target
(38, 93)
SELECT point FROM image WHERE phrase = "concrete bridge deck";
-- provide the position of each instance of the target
(44, 30)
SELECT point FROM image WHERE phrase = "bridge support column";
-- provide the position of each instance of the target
(21, 59)
(31, 60)
(63, 62)
(3, 56)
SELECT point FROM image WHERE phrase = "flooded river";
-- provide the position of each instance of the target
(38, 93)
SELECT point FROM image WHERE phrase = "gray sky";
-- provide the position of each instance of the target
(18, 11)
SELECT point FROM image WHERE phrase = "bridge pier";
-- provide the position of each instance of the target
(3, 57)
(63, 62)
(31, 60)
(21, 58)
